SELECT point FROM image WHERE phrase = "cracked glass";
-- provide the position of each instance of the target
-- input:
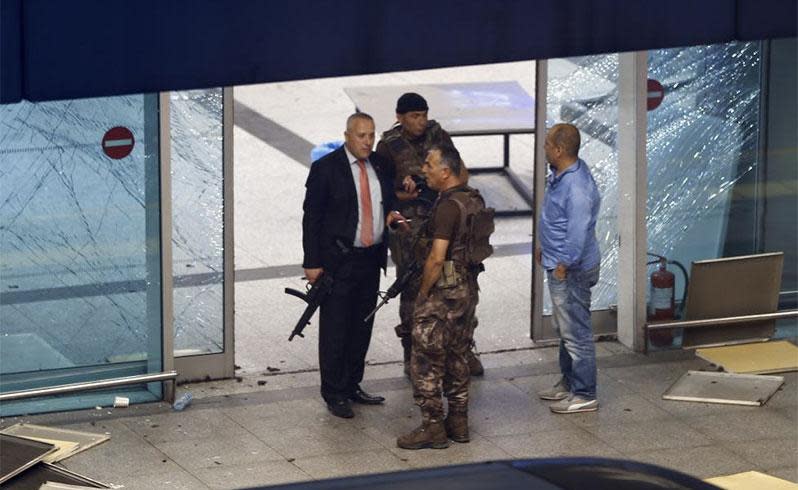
(80, 288)
(583, 91)
(197, 221)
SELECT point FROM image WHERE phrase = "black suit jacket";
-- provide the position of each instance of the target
(331, 208)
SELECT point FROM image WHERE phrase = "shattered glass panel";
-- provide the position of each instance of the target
(703, 159)
(584, 91)
(197, 221)
(703, 192)
(79, 239)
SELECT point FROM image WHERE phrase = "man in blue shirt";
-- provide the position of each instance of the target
(570, 254)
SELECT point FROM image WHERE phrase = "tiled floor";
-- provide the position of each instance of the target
(240, 434)
(246, 433)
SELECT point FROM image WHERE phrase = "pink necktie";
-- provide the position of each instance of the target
(366, 225)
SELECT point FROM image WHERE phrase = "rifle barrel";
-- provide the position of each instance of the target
(375, 310)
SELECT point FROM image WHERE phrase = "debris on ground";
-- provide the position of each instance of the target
(29, 450)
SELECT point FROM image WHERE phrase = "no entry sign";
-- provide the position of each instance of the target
(655, 94)
(118, 142)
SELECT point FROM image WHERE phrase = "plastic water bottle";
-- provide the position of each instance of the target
(183, 401)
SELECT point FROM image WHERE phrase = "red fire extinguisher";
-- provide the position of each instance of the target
(663, 304)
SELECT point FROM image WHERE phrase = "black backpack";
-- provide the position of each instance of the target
(477, 222)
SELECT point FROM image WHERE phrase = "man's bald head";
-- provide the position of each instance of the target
(358, 116)
(566, 136)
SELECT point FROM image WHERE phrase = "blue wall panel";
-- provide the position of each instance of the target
(83, 48)
(10, 50)
(766, 20)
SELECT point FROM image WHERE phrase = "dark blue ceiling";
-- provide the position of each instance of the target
(63, 49)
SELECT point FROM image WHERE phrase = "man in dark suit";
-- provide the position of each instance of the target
(348, 202)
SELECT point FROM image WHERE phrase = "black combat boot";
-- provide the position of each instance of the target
(456, 425)
(474, 364)
(430, 434)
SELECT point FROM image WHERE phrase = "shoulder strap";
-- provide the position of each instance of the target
(461, 229)
(463, 210)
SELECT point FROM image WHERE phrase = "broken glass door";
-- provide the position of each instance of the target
(80, 248)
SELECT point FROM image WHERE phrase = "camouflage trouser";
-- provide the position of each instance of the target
(442, 334)
(402, 254)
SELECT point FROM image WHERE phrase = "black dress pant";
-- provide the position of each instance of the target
(343, 335)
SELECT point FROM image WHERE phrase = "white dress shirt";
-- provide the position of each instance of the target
(378, 224)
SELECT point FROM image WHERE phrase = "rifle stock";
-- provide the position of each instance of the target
(297, 293)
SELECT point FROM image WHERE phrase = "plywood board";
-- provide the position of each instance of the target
(42, 473)
(63, 449)
(51, 485)
(751, 480)
(83, 440)
(732, 286)
(725, 388)
(18, 454)
(758, 358)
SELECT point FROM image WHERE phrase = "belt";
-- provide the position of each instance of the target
(363, 251)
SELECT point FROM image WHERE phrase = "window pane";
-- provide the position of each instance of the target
(79, 238)
(722, 158)
(584, 92)
(703, 160)
(197, 221)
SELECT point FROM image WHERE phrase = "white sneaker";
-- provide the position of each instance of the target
(575, 404)
(556, 393)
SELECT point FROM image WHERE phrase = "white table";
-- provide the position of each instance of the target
(463, 109)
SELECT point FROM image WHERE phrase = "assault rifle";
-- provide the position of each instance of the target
(315, 296)
(401, 282)
(399, 285)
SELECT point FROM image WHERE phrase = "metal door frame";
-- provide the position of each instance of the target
(627, 320)
(205, 366)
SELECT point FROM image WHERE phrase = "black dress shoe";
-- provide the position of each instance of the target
(360, 396)
(340, 408)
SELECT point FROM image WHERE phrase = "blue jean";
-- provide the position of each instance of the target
(571, 316)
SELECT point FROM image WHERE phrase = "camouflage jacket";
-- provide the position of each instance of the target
(408, 156)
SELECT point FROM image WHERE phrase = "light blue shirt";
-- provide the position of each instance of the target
(378, 220)
(568, 219)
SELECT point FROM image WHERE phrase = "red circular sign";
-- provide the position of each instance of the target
(118, 142)
(656, 92)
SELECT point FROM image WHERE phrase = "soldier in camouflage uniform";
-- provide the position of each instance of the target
(443, 318)
(406, 145)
